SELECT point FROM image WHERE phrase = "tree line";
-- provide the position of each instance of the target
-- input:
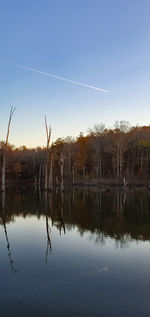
(102, 156)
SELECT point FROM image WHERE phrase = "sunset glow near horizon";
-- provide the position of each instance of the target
(103, 44)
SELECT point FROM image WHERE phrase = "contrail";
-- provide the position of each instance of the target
(54, 76)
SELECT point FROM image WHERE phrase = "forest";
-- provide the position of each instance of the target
(103, 156)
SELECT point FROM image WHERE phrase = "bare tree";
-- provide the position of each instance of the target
(12, 110)
(48, 134)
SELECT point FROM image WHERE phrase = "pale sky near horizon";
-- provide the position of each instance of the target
(101, 43)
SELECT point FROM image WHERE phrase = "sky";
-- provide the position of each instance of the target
(101, 43)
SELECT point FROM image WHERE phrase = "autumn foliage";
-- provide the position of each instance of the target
(103, 155)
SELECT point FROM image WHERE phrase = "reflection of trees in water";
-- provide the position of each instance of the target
(47, 203)
(6, 219)
(117, 214)
(49, 246)
(59, 223)
(123, 241)
(98, 237)
(8, 247)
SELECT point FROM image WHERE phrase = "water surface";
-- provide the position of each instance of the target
(80, 253)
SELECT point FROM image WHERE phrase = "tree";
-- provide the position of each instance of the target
(12, 110)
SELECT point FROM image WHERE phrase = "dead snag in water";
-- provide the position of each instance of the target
(48, 135)
(12, 110)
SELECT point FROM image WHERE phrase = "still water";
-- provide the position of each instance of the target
(80, 253)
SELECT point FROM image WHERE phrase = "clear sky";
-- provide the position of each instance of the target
(103, 43)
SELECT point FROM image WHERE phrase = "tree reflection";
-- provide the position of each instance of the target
(47, 202)
(4, 220)
(49, 246)
(121, 215)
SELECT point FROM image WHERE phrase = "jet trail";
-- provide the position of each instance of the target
(54, 76)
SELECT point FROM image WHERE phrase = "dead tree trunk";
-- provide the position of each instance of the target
(69, 165)
(141, 163)
(118, 159)
(73, 176)
(124, 183)
(62, 171)
(39, 176)
(12, 110)
(100, 170)
(48, 134)
(51, 173)
(4, 171)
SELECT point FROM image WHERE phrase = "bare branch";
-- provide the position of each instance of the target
(12, 110)
(46, 129)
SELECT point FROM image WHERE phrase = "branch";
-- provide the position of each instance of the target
(12, 110)
(48, 133)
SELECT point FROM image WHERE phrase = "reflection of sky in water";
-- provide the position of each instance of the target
(84, 275)
(79, 274)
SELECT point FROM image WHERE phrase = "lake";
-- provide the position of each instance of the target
(82, 252)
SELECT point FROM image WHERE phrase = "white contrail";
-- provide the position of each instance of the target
(54, 76)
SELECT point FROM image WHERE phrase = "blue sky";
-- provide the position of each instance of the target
(103, 43)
